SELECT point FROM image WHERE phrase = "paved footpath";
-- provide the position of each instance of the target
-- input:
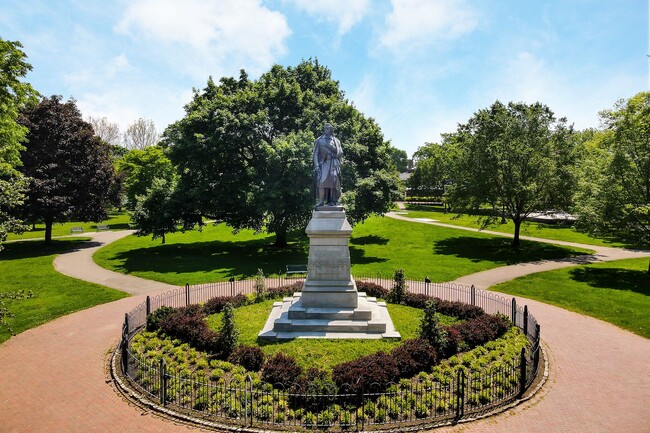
(53, 378)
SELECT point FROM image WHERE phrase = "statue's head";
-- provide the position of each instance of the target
(328, 129)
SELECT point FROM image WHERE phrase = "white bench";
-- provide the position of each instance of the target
(102, 227)
(74, 230)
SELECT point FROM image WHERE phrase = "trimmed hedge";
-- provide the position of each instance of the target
(188, 324)
(281, 369)
(250, 357)
(372, 372)
(216, 305)
(372, 289)
(414, 356)
(482, 329)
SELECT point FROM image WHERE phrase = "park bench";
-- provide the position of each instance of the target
(102, 227)
(296, 269)
(74, 230)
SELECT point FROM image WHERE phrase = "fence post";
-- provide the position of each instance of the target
(537, 331)
(163, 382)
(473, 295)
(514, 312)
(126, 323)
(460, 393)
(246, 401)
(232, 286)
(522, 372)
(125, 352)
(187, 294)
(526, 320)
(148, 305)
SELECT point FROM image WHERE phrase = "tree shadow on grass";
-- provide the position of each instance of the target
(369, 240)
(233, 259)
(613, 278)
(38, 248)
(358, 257)
(500, 250)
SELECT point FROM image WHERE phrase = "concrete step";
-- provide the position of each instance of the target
(315, 325)
(329, 314)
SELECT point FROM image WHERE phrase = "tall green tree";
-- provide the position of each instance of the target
(156, 212)
(15, 95)
(614, 194)
(69, 167)
(400, 158)
(243, 150)
(517, 158)
(433, 170)
(139, 167)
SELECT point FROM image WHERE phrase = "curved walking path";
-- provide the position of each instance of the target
(53, 378)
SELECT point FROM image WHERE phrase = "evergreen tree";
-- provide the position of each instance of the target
(228, 335)
(430, 327)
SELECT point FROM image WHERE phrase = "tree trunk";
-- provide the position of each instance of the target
(515, 240)
(281, 237)
(48, 230)
(163, 237)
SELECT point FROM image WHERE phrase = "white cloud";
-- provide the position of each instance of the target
(414, 23)
(218, 31)
(346, 13)
(577, 95)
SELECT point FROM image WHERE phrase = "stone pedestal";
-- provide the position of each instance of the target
(329, 305)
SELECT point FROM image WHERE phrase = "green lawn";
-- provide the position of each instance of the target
(321, 352)
(379, 245)
(28, 266)
(116, 221)
(538, 230)
(617, 292)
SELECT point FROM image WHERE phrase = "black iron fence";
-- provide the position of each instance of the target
(248, 402)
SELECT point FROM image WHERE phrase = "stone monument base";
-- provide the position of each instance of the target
(291, 319)
(329, 305)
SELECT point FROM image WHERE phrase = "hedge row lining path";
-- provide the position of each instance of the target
(54, 378)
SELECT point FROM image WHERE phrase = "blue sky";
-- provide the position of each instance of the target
(419, 67)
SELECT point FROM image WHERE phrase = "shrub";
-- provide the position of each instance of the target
(417, 300)
(482, 329)
(398, 291)
(228, 333)
(363, 372)
(157, 317)
(457, 309)
(372, 289)
(281, 369)
(282, 291)
(454, 343)
(216, 305)
(187, 324)
(414, 356)
(430, 327)
(250, 357)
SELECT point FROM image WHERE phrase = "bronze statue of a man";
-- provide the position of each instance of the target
(327, 167)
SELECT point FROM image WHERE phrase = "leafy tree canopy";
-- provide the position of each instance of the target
(15, 95)
(138, 168)
(70, 168)
(614, 194)
(517, 158)
(243, 150)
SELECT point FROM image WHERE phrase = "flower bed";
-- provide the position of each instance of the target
(412, 383)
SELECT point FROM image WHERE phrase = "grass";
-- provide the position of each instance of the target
(617, 292)
(325, 353)
(556, 232)
(116, 221)
(28, 266)
(379, 245)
